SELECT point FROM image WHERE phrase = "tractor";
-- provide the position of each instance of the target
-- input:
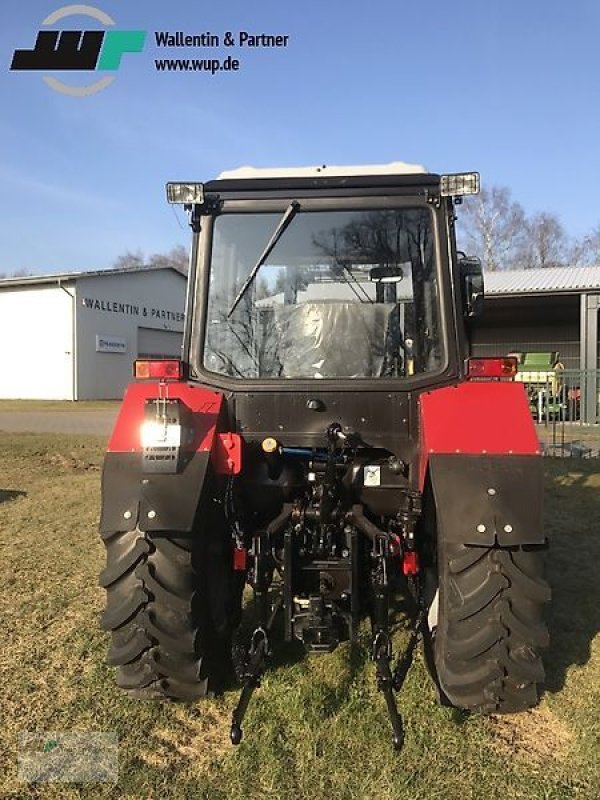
(324, 449)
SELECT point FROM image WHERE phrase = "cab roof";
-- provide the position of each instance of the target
(245, 181)
(322, 171)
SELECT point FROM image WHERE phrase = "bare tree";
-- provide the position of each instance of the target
(578, 253)
(176, 257)
(586, 251)
(546, 242)
(492, 226)
(22, 272)
(261, 289)
(130, 260)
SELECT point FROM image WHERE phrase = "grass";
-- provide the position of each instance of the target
(317, 728)
(564, 439)
(59, 405)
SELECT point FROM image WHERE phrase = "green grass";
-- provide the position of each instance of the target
(317, 728)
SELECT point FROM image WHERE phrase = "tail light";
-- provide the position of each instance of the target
(166, 370)
(505, 367)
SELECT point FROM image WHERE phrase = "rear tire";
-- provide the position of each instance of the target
(490, 627)
(172, 605)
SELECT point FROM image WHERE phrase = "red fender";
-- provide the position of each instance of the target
(205, 407)
(477, 418)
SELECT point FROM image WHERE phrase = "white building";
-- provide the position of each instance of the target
(75, 336)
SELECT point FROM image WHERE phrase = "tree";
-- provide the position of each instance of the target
(493, 227)
(22, 272)
(176, 257)
(546, 244)
(261, 289)
(130, 260)
(586, 251)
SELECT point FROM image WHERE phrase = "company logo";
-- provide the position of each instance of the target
(78, 50)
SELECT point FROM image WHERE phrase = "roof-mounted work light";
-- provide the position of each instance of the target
(187, 194)
(459, 184)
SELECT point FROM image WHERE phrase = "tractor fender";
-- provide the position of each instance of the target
(481, 455)
(488, 500)
(132, 497)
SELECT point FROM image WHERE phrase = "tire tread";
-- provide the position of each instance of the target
(161, 629)
(490, 626)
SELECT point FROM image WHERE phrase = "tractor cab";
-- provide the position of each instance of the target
(323, 275)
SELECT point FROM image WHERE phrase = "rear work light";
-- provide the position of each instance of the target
(161, 435)
(185, 193)
(166, 370)
(505, 367)
(459, 184)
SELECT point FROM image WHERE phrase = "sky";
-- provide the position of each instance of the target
(510, 89)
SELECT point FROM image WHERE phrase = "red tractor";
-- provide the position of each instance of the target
(327, 440)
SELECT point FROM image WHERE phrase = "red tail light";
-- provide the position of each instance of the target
(492, 367)
(166, 370)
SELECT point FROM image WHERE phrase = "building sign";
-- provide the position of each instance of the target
(110, 344)
(129, 309)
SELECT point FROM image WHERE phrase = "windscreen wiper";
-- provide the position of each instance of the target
(349, 282)
(288, 216)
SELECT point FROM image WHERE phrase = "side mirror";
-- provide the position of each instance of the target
(471, 278)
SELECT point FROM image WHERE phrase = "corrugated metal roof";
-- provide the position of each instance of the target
(64, 277)
(550, 279)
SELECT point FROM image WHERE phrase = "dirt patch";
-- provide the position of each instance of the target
(70, 462)
(193, 736)
(536, 735)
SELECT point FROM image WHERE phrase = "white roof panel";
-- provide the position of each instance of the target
(324, 170)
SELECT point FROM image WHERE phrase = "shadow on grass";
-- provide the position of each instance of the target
(349, 663)
(11, 494)
(572, 513)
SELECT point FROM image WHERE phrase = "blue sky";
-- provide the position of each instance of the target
(511, 89)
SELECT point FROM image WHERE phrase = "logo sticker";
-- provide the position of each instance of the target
(78, 50)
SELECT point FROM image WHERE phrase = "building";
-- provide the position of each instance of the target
(547, 310)
(538, 310)
(74, 336)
